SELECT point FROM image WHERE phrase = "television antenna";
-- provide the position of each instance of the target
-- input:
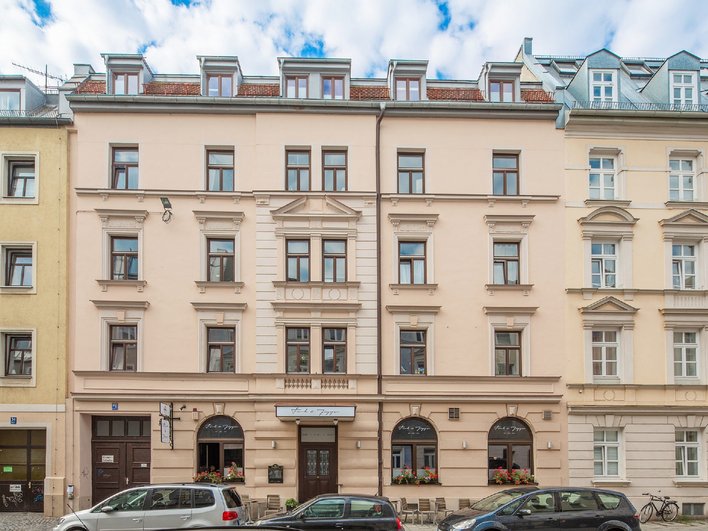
(46, 75)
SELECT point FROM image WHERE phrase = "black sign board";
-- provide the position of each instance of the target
(221, 427)
(275, 473)
(414, 430)
(510, 429)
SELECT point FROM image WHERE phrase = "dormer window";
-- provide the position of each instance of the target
(125, 83)
(501, 90)
(407, 89)
(683, 88)
(296, 87)
(603, 86)
(333, 88)
(219, 85)
(9, 100)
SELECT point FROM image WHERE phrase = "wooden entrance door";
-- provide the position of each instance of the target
(120, 453)
(317, 462)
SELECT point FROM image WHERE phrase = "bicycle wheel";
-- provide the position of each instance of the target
(646, 512)
(670, 512)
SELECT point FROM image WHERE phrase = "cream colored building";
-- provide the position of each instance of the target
(335, 283)
(636, 227)
(33, 288)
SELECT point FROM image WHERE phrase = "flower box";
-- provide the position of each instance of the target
(410, 477)
(517, 476)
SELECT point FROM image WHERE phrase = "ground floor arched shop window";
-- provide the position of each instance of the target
(414, 450)
(510, 445)
(220, 448)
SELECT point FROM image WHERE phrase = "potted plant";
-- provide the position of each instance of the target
(211, 476)
(233, 474)
(520, 476)
(290, 504)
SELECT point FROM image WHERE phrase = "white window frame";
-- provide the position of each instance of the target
(602, 83)
(224, 315)
(684, 446)
(6, 158)
(681, 86)
(604, 445)
(681, 260)
(679, 175)
(686, 320)
(683, 346)
(505, 319)
(609, 224)
(685, 233)
(603, 173)
(603, 258)
(5, 247)
(15, 381)
(603, 360)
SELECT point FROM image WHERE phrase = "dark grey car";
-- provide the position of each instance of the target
(554, 509)
(348, 512)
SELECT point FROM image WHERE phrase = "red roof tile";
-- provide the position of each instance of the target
(454, 94)
(536, 96)
(172, 89)
(257, 89)
(368, 93)
(91, 87)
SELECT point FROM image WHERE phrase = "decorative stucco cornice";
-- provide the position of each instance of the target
(219, 306)
(427, 219)
(106, 214)
(418, 308)
(608, 305)
(510, 310)
(202, 216)
(141, 305)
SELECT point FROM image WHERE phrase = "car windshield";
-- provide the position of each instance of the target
(493, 502)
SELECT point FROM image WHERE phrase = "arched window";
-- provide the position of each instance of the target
(510, 446)
(414, 449)
(220, 447)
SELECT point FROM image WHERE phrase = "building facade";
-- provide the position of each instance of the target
(635, 270)
(33, 297)
(293, 265)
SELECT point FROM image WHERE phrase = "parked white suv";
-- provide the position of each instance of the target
(155, 507)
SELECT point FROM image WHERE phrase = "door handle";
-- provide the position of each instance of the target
(137, 519)
(126, 480)
(186, 517)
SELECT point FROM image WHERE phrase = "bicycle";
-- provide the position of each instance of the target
(668, 510)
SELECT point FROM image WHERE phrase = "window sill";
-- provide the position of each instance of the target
(19, 201)
(686, 204)
(524, 288)
(204, 284)
(430, 288)
(18, 290)
(690, 482)
(610, 380)
(137, 284)
(315, 284)
(17, 381)
(608, 202)
(611, 482)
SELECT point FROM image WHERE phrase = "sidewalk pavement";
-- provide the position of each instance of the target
(37, 522)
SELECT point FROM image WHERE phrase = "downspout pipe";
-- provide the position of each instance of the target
(379, 336)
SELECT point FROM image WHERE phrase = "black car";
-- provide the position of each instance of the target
(554, 509)
(355, 512)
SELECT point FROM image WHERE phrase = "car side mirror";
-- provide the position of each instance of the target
(523, 512)
(107, 509)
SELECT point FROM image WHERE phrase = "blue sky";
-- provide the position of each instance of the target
(455, 36)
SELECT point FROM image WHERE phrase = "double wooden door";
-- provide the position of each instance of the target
(318, 469)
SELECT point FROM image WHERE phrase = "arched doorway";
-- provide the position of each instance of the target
(414, 452)
(510, 445)
(220, 445)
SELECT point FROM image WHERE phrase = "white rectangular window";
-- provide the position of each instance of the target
(687, 453)
(685, 355)
(683, 266)
(606, 452)
(604, 265)
(682, 178)
(683, 88)
(18, 261)
(605, 349)
(603, 86)
(601, 179)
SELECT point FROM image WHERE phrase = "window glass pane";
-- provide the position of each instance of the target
(125, 155)
(334, 159)
(298, 158)
(412, 249)
(9, 100)
(403, 183)
(417, 179)
(410, 161)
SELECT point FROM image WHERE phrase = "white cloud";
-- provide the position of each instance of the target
(369, 32)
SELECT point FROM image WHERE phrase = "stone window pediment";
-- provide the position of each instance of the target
(689, 222)
(315, 208)
(608, 216)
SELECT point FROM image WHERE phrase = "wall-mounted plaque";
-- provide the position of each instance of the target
(275, 473)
